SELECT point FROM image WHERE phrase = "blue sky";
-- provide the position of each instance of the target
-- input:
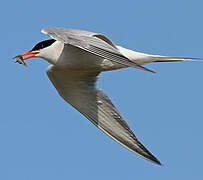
(42, 137)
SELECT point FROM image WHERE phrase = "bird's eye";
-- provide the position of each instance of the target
(43, 44)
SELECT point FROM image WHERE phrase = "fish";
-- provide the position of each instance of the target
(19, 59)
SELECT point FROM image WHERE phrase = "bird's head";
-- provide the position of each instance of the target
(49, 50)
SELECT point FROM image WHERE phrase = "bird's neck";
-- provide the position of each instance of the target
(53, 52)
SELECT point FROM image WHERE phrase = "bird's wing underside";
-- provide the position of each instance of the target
(78, 89)
(91, 42)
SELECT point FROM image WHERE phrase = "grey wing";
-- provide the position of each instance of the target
(78, 89)
(92, 42)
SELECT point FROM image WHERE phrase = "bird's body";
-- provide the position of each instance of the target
(77, 58)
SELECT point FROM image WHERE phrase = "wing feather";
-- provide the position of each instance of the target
(78, 89)
(93, 43)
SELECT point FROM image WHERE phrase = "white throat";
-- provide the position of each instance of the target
(52, 53)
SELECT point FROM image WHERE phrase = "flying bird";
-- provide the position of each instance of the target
(77, 57)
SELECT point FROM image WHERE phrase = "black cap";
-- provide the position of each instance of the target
(43, 44)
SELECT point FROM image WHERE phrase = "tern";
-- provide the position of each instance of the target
(77, 57)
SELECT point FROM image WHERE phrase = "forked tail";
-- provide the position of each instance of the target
(142, 58)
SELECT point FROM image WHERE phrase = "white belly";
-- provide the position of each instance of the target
(74, 58)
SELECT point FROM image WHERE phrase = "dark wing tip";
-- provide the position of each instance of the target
(142, 151)
(155, 160)
(150, 157)
(144, 68)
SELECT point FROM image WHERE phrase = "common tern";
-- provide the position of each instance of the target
(77, 57)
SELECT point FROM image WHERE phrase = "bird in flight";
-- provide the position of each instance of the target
(77, 57)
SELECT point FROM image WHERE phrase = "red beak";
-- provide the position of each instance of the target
(31, 54)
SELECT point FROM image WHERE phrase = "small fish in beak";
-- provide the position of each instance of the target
(19, 59)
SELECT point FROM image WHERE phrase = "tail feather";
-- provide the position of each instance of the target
(142, 58)
(157, 58)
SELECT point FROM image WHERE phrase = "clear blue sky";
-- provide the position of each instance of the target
(42, 137)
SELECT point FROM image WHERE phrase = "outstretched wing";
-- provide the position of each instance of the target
(92, 42)
(78, 89)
